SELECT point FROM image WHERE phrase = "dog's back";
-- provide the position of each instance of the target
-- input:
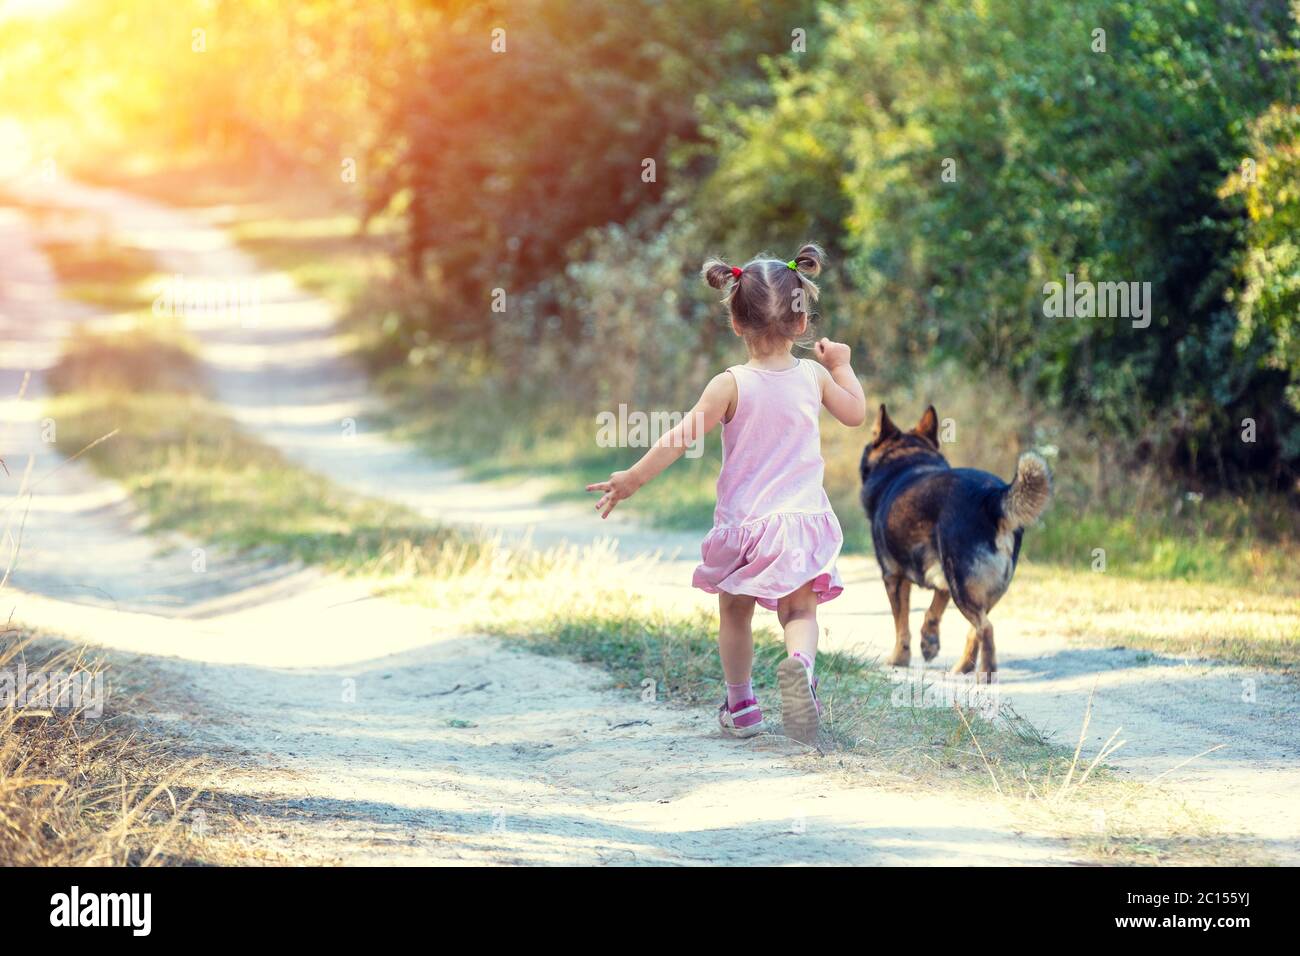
(958, 529)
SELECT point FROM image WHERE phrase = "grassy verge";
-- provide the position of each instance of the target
(193, 471)
(294, 222)
(92, 266)
(1175, 618)
(865, 714)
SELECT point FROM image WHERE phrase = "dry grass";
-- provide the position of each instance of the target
(78, 788)
(80, 783)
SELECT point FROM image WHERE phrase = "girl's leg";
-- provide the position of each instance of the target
(739, 715)
(801, 712)
(736, 637)
(797, 613)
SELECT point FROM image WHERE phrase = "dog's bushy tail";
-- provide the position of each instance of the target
(1027, 497)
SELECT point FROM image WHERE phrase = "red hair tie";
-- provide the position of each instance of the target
(736, 271)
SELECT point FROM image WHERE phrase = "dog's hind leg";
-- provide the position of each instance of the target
(899, 590)
(979, 643)
(969, 656)
(988, 659)
(930, 629)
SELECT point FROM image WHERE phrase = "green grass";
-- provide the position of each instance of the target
(110, 277)
(1249, 542)
(495, 439)
(324, 255)
(678, 653)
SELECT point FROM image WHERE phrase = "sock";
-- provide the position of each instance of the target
(806, 661)
(738, 692)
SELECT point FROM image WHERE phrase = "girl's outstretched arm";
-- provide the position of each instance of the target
(841, 390)
(718, 398)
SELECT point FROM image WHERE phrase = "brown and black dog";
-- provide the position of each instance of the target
(956, 530)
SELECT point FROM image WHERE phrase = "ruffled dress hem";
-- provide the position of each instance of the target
(772, 557)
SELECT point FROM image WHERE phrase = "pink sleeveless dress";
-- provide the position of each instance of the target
(773, 528)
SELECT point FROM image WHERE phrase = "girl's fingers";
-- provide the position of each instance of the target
(608, 500)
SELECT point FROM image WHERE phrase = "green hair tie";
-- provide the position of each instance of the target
(792, 265)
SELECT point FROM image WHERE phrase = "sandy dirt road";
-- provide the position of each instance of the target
(373, 731)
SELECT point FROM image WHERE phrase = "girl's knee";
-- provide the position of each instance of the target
(800, 604)
(735, 603)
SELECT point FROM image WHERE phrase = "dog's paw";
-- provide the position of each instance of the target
(901, 657)
(930, 646)
(964, 667)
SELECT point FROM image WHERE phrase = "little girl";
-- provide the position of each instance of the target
(775, 538)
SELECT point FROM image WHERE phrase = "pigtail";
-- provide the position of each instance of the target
(809, 260)
(718, 274)
(807, 264)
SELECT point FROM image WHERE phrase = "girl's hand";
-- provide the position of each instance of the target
(841, 390)
(621, 485)
(832, 354)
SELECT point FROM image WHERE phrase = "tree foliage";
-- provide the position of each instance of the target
(955, 156)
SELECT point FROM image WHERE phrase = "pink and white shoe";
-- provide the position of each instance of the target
(743, 720)
(800, 709)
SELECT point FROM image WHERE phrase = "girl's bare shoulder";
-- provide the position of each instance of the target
(722, 385)
(823, 376)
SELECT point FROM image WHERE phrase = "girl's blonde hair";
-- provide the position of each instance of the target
(768, 299)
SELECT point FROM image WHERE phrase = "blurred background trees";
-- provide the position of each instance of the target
(953, 156)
